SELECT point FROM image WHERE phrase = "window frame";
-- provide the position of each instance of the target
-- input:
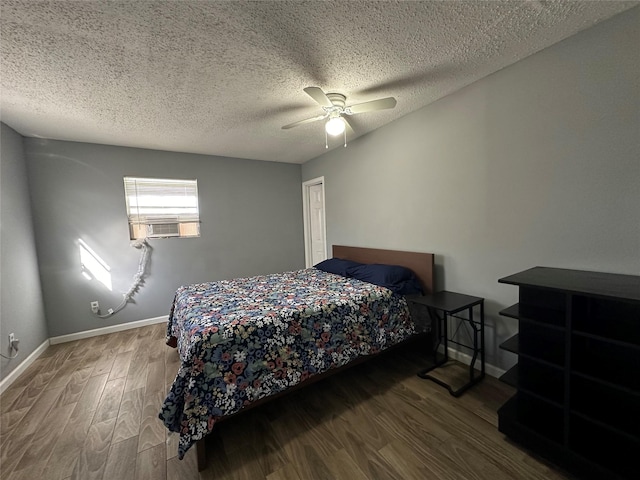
(162, 207)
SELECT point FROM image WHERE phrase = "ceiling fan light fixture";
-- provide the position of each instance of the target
(335, 126)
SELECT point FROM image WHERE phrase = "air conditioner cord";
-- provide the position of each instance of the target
(138, 278)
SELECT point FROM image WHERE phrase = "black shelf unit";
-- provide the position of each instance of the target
(578, 372)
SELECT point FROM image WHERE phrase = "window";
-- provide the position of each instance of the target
(162, 207)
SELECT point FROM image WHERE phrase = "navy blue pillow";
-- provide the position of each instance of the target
(396, 278)
(337, 266)
(408, 287)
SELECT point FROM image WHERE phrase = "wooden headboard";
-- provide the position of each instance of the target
(420, 263)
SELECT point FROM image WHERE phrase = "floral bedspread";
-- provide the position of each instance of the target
(244, 339)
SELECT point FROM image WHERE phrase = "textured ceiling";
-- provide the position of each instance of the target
(223, 77)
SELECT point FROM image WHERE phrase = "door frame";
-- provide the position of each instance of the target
(305, 215)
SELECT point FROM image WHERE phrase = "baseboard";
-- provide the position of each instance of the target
(11, 377)
(466, 359)
(15, 373)
(106, 330)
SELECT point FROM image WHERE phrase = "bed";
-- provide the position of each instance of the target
(245, 341)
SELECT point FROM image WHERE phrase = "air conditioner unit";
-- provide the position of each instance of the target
(157, 230)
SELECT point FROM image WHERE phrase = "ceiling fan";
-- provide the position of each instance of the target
(335, 109)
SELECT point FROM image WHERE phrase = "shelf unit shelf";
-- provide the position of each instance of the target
(577, 384)
(512, 344)
(510, 377)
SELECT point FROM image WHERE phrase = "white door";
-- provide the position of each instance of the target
(315, 231)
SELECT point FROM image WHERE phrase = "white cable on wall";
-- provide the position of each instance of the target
(138, 278)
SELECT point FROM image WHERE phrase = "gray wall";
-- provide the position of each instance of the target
(250, 211)
(21, 305)
(538, 164)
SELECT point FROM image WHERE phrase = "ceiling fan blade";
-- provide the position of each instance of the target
(348, 126)
(381, 104)
(319, 96)
(302, 122)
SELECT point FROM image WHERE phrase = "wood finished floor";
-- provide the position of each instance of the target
(89, 410)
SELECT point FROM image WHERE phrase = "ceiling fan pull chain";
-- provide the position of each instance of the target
(345, 138)
(326, 140)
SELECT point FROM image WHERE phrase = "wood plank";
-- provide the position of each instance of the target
(410, 422)
(90, 358)
(30, 471)
(130, 342)
(157, 339)
(151, 464)
(99, 343)
(471, 463)
(172, 444)
(129, 416)
(109, 404)
(137, 375)
(116, 340)
(92, 393)
(185, 469)
(287, 472)
(74, 387)
(9, 421)
(121, 364)
(58, 349)
(349, 411)
(363, 448)
(252, 431)
(155, 378)
(152, 430)
(9, 397)
(121, 461)
(344, 467)
(475, 432)
(42, 444)
(92, 460)
(311, 447)
(63, 374)
(239, 465)
(264, 442)
(68, 447)
(38, 412)
(105, 362)
(409, 464)
(78, 353)
(30, 377)
(41, 377)
(27, 398)
(11, 451)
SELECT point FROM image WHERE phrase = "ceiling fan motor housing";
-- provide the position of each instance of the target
(337, 99)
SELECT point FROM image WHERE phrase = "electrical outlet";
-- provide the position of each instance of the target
(95, 307)
(13, 342)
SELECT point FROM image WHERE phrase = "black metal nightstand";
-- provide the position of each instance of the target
(441, 306)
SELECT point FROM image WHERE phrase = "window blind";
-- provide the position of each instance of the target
(160, 201)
